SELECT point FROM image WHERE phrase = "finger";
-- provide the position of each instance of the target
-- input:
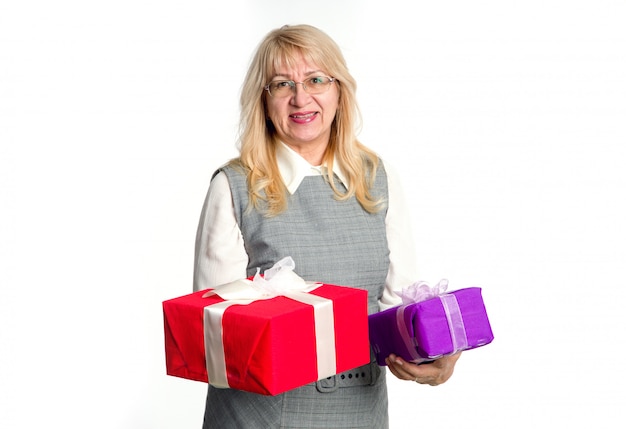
(399, 368)
(394, 367)
(438, 371)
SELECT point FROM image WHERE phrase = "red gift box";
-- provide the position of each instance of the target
(267, 346)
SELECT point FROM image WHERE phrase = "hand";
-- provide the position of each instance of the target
(432, 373)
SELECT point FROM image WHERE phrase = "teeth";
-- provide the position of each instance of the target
(303, 116)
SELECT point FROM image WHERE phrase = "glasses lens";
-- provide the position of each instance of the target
(317, 84)
(281, 88)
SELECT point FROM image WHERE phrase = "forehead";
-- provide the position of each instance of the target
(293, 63)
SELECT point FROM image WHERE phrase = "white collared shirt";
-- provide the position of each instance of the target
(294, 168)
(220, 253)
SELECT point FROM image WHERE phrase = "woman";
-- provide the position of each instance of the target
(304, 186)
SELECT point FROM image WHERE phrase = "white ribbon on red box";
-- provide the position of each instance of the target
(280, 280)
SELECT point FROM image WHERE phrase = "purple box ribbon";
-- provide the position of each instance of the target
(461, 323)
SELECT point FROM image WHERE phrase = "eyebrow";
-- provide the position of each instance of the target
(289, 77)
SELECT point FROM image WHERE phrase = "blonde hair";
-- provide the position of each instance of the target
(258, 138)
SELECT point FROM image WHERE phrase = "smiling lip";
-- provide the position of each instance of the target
(303, 117)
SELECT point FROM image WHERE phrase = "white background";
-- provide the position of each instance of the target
(506, 120)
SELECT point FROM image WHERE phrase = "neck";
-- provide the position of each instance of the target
(313, 154)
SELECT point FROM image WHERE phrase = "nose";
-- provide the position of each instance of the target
(300, 96)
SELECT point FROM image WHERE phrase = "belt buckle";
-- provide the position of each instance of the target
(327, 385)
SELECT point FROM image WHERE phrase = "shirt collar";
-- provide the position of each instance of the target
(293, 168)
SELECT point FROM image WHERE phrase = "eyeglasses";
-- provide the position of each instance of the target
(312, 85)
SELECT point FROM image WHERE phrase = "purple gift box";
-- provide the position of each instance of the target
(426, 330)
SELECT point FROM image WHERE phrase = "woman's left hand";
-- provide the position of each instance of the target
(433, 373)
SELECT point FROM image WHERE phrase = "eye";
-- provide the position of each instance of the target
(318, 80)
(282, 84)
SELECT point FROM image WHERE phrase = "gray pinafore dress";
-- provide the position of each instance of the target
(331, 242)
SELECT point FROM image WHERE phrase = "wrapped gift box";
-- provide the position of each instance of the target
(426, 330)
(266, 346)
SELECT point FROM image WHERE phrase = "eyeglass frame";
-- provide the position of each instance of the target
(293, 87)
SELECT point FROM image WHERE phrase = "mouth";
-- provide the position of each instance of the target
(303, 117)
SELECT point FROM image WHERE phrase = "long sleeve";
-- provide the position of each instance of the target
(220, 256)
(402, 264)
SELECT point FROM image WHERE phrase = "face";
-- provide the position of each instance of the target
(303, 120)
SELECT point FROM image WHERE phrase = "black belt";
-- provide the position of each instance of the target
(361, 376)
